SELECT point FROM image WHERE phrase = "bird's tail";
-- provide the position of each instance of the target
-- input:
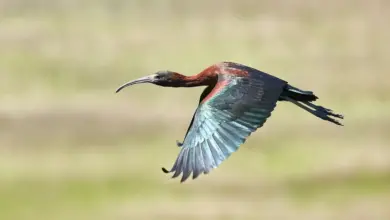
(299, 95)
(304, 100)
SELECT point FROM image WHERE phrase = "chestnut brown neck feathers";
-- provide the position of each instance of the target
(201, 79)
(208, 76)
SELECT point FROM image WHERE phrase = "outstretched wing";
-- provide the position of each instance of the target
(232, 110)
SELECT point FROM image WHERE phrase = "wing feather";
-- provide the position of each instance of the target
(208, 158)
(223, 122)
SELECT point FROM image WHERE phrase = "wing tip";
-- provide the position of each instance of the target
(184, 177)
(165, 170)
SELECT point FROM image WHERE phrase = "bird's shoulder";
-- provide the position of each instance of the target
(232, 69)
(229, 69)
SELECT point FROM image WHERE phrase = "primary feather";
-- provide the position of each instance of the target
(238, 106)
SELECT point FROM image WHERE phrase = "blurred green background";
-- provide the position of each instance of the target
(70, 148)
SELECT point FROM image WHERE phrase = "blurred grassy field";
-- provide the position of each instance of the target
(72, 149)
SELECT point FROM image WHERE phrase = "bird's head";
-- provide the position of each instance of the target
(161, 78)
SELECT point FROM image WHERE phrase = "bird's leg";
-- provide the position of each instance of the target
(179, 144)
(326, 110)
(319, 112)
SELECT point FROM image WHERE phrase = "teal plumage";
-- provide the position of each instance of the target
(223, 122)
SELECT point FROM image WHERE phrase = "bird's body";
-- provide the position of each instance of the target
(238, 100)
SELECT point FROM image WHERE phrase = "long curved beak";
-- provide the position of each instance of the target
(146, 79)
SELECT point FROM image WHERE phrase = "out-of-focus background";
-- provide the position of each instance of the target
(70, 148)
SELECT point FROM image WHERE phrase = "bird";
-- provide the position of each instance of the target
(237, 100)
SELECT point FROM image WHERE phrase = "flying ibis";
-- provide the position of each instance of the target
(237, 100)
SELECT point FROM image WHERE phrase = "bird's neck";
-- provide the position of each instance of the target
(196, 80)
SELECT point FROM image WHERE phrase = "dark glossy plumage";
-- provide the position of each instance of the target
(237, 100)
(224, 121)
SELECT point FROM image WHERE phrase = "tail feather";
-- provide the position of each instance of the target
(299, 95)
(303, 99)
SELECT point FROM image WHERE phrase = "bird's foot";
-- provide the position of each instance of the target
(334, 121)
(179, 144)
(327, 111)
(330, 112)
(325, 115)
